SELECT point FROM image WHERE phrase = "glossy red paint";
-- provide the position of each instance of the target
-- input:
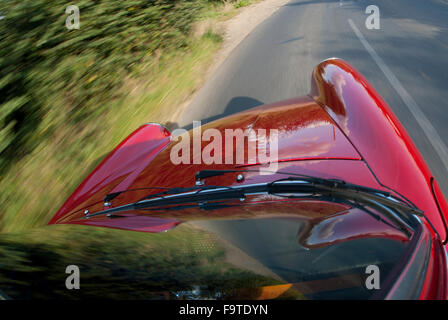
(440, 201)
(345, 226)
(435, 285)
(118, 170)
(379, 137)
(305, 131)
(143, 160)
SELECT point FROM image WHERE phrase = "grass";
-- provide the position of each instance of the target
(37, 185)
(242, 3)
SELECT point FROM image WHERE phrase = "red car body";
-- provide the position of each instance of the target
(343, 129)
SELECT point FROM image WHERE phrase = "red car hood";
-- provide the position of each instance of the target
(343, 129)
(305, 133)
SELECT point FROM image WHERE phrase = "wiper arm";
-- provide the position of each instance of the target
(168, 190)
(171, 197)
(395, 210)
(296, 183)
(322, 182)
(336, 185)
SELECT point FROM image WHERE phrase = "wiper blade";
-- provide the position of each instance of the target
(168, 190)
(113, 195)
(336, 185)
(319, 182)
(295, 183)
(188, 195)
(206, 206)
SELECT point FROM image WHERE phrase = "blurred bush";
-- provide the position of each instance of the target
(67, 76)
(117, 264)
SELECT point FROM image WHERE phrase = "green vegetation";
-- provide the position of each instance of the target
(46, 67)
(120, 264)
(241, 3)
(67, 97)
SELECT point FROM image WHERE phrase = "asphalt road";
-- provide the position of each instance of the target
(275, 62)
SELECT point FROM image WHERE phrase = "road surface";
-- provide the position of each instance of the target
(405, 60)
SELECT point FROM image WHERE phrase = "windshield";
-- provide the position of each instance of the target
(293, 249)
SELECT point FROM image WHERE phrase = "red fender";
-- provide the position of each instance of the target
(118, 170)
(377, 134)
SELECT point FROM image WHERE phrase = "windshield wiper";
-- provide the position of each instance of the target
(354, 190)
(320, 182)
(177, 196)
(294, 184)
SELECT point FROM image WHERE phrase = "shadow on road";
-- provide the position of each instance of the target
(236, 104)
(311, 2)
